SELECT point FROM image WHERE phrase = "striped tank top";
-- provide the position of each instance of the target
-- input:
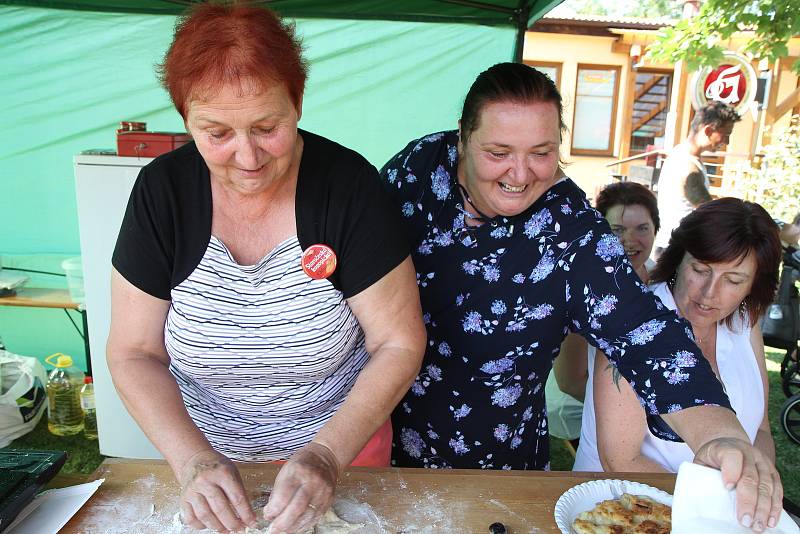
(263, 355)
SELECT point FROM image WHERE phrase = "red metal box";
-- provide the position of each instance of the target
(149, 144)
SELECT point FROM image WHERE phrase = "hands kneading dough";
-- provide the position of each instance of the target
(330, 523)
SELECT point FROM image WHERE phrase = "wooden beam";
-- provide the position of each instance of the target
(679, 103)
(649, 84)
(627, 115)
(618, 47)
(792, 100)
(647, 118)
(796, 110)
(571, 30)
(788, 61)
(772, 104)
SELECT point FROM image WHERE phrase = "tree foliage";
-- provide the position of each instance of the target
(773, 183)
(698, 40)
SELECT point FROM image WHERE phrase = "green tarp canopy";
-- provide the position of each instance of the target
(490, 12)
(519, 14)
(381, 73)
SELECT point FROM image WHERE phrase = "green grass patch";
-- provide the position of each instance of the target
(787, 452)
(83, 455)
(561, 458)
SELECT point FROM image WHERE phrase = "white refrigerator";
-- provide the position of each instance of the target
(102, 186)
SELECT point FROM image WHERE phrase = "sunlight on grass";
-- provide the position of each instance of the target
(774, 366)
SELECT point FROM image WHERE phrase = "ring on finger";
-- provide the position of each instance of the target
(312, 506)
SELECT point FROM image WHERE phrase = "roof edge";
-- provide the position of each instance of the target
(604, 22)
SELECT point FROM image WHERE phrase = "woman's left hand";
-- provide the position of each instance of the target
(759, 492)
(303, 489)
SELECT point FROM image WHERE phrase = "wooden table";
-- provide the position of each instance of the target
(40, 297)
(141, 496)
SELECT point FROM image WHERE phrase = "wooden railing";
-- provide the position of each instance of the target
(726, 170)
(658, 152)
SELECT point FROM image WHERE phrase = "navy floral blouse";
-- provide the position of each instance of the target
(498, 300)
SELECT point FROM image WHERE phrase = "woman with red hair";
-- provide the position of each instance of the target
(264, 305)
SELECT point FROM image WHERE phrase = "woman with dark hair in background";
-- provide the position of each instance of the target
(510, 257)
(632, 212)
(719, 272)
(235, 332)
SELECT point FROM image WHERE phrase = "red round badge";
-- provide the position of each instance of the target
(319, 261)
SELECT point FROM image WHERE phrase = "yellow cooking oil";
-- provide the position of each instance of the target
(64, 414)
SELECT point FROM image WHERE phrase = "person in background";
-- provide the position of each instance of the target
(632, 212)
(719, 272)
(264, 305)
(510, 257)
(790, 232)
(683, 182)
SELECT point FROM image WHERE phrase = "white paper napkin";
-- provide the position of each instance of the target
(702, 504)
(50, 510)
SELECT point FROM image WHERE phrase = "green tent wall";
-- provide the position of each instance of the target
(70, 71)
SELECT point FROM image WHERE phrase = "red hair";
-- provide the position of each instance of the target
(218, 45)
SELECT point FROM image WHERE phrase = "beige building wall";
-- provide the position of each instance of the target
(589, 172)
(786, 85)
(568, 50)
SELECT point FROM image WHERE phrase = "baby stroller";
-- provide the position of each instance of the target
(781, 329)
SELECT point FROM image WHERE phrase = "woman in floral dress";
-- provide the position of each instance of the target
(510, 257)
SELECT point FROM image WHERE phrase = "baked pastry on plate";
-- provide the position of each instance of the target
(630, 514)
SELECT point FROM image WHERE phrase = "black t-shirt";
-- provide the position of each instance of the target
(339, 202)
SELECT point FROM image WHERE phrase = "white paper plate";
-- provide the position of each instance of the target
(584, 497)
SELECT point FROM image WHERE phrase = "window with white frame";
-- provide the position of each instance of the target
(596, 95)
(549, 69)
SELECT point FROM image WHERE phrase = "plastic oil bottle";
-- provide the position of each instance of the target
(64, 414)
(89, 412)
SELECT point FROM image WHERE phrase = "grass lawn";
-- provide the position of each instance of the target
(787, 452)
(83, 456)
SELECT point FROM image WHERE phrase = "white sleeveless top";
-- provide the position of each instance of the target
(740, 377)
(672, 203)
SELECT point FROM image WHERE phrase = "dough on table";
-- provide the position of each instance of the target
(329, 523)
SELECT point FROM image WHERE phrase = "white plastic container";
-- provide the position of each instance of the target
(73, 268)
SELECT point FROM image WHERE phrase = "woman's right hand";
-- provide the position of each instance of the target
(213, 495)
(303, 489)
(759, 492)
